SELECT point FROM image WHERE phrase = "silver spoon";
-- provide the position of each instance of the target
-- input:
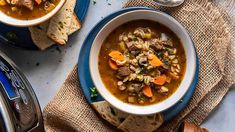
(169, 3)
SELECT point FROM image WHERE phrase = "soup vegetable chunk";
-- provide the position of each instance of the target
(142, 62)
(27, 9)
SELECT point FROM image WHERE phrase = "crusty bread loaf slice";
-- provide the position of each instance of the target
(134, 123)
(59, 25)
(39, 36)
(39, 33)
(109, 113)
(75, 26)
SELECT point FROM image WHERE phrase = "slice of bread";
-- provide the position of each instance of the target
(39, 36)
(109, 113)
(58, 29)
(75, 26)
(134, 123)
(39, 33)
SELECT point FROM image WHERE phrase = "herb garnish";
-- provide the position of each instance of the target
(11, 35)
(142, 97)
(94, 92)
(159, 54)
(134, 39)
(167, 62)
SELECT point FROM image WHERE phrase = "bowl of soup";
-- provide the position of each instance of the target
(24, 13)
(142, 62)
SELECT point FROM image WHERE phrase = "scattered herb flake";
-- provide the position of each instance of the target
(109, 3)
(159, 54)
(58, 49)
(11, 35)
(142, 70)
(142, 97)
(167, 62)
(37, 64)
(93, 92)
(134, 39)
(94, 2)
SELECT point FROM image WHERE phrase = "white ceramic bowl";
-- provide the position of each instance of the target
(169, 22)
(26, 23)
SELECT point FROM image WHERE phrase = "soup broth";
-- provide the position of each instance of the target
(23, 13)
(162, 84)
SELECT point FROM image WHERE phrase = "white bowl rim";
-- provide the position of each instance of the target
(27, 23)
(193, 53)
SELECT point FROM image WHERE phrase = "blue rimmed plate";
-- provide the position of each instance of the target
(85, 77)
(20, 37)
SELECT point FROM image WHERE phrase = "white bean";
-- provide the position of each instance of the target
(175, 61)
(119, 83)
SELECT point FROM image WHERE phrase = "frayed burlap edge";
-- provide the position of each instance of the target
(227, 10)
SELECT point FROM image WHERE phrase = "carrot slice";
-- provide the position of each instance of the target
(113, 65)
(155, 61)
(160, 80)
(3, 2)
(116, 55)
(38, 1)
(147, 91)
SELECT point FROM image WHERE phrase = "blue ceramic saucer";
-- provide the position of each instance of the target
(85, 77)
(20, 37)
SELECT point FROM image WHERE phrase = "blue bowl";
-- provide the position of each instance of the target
(85, 77)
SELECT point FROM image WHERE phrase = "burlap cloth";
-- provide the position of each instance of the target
(212, 27)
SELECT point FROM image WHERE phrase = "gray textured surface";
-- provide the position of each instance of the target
(47, 70)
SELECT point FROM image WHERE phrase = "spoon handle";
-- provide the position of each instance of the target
(169, 3)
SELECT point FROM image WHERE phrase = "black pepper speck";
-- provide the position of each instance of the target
(37, 64)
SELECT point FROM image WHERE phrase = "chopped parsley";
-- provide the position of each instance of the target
(93, 92)
(134, 39)
(11, 35)
(142, 70)
(142, 97)
(167, 62)
(159, 54)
